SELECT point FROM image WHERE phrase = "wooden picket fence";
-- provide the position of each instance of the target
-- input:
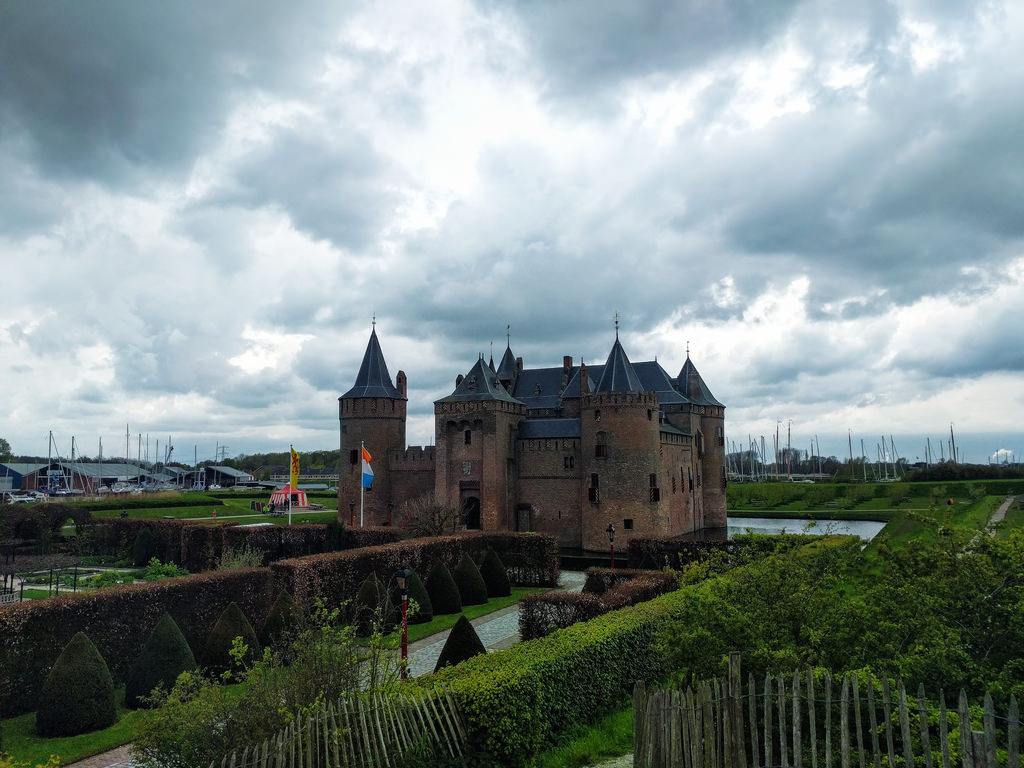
(801, 722)
(363, 732)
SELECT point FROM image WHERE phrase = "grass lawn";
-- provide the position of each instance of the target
(21, 741)
(610, 737)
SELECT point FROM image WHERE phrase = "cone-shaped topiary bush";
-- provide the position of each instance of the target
(417, 592)
(471, 585)
(373, 606)
(495, 576)
(283, 617)
(462, 643)
(78, 694)
(144, 547)
(165, 655)
(231, 624)
(444, 594)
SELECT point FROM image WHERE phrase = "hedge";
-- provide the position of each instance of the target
(335, 576)
(677, 553)
(118, 620)
(604, 590)
(515, 702)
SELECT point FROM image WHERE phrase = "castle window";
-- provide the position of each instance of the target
(468, 436)
(601, 446)
(569, 462)
(594, 491)
(594, 481)
(597, 414)
(673, 485)
(720, 436)
(353, 456)
(627, 524)
(650, 415)
(655, 492)
(344, 429)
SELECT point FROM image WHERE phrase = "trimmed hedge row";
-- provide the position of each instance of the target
(604, 590)
(118, 620)
(532, 560)
(650, 552)
(516, 702)
(198, 546)
(142, 502)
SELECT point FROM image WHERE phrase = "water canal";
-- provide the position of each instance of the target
(866, 529)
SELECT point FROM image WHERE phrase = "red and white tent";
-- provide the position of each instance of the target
(279, 499)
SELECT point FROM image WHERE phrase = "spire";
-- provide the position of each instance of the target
(373, 379)
(507, 366)
(618, 374)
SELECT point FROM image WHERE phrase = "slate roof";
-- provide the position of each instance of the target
(618, 374)
(480, 384)
(654, 378)
(543, 428)
(539, 387)
(507, 366)
(373, 379)
(704, 396)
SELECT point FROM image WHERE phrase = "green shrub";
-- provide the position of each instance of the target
(472, 589)
(165, 655)
(373, 608)
(444, 594)
(157, 570)
(462, 643)
(283, 618)
(144, 547)
(231, 624)
(78, 694)
(495, 576)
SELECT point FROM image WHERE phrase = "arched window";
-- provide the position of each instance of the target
(601, 446)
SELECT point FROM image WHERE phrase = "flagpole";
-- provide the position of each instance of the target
(362, 485)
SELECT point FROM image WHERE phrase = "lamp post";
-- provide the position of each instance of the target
(610, 530)
(402, 577)
(351, 514)
(391, 512)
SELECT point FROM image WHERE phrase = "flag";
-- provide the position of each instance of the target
(295, 470)
(367, 469)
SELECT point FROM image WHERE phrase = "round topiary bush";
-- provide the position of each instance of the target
(495, 576)
(373, 608)
(144, 547)
(165, 655)
(471, 585)
(444, 594)
(282, 619)
(462, 643)
(231, 624)
(78, 694)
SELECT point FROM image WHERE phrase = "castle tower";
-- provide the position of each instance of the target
(707, 422)
(475, 433)
(372, 413)
(619, 447)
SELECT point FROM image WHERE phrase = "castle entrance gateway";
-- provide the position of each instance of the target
(471, 511)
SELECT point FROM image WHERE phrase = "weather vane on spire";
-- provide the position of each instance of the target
(687, 349)
(508, 335)
(616, 326)
(374, 321)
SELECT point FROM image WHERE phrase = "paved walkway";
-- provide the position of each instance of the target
(496, 630)
(999, 515)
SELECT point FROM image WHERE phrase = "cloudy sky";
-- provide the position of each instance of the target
(203, 206)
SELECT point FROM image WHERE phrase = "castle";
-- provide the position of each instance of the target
(563, 450)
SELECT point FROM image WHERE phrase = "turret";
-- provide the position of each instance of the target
(372, 414)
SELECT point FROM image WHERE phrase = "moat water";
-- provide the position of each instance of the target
(866, 529)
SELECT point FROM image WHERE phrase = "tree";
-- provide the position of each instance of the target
(165, 655)
(5, 450)
(428, 515)
(78, 694)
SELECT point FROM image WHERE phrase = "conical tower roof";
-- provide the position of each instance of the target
(618, 374)
(507, 366)
(699, 392)
(373, 379)
(481, 383)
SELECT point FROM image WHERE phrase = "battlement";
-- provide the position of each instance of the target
(416, 455)
(628, 399)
